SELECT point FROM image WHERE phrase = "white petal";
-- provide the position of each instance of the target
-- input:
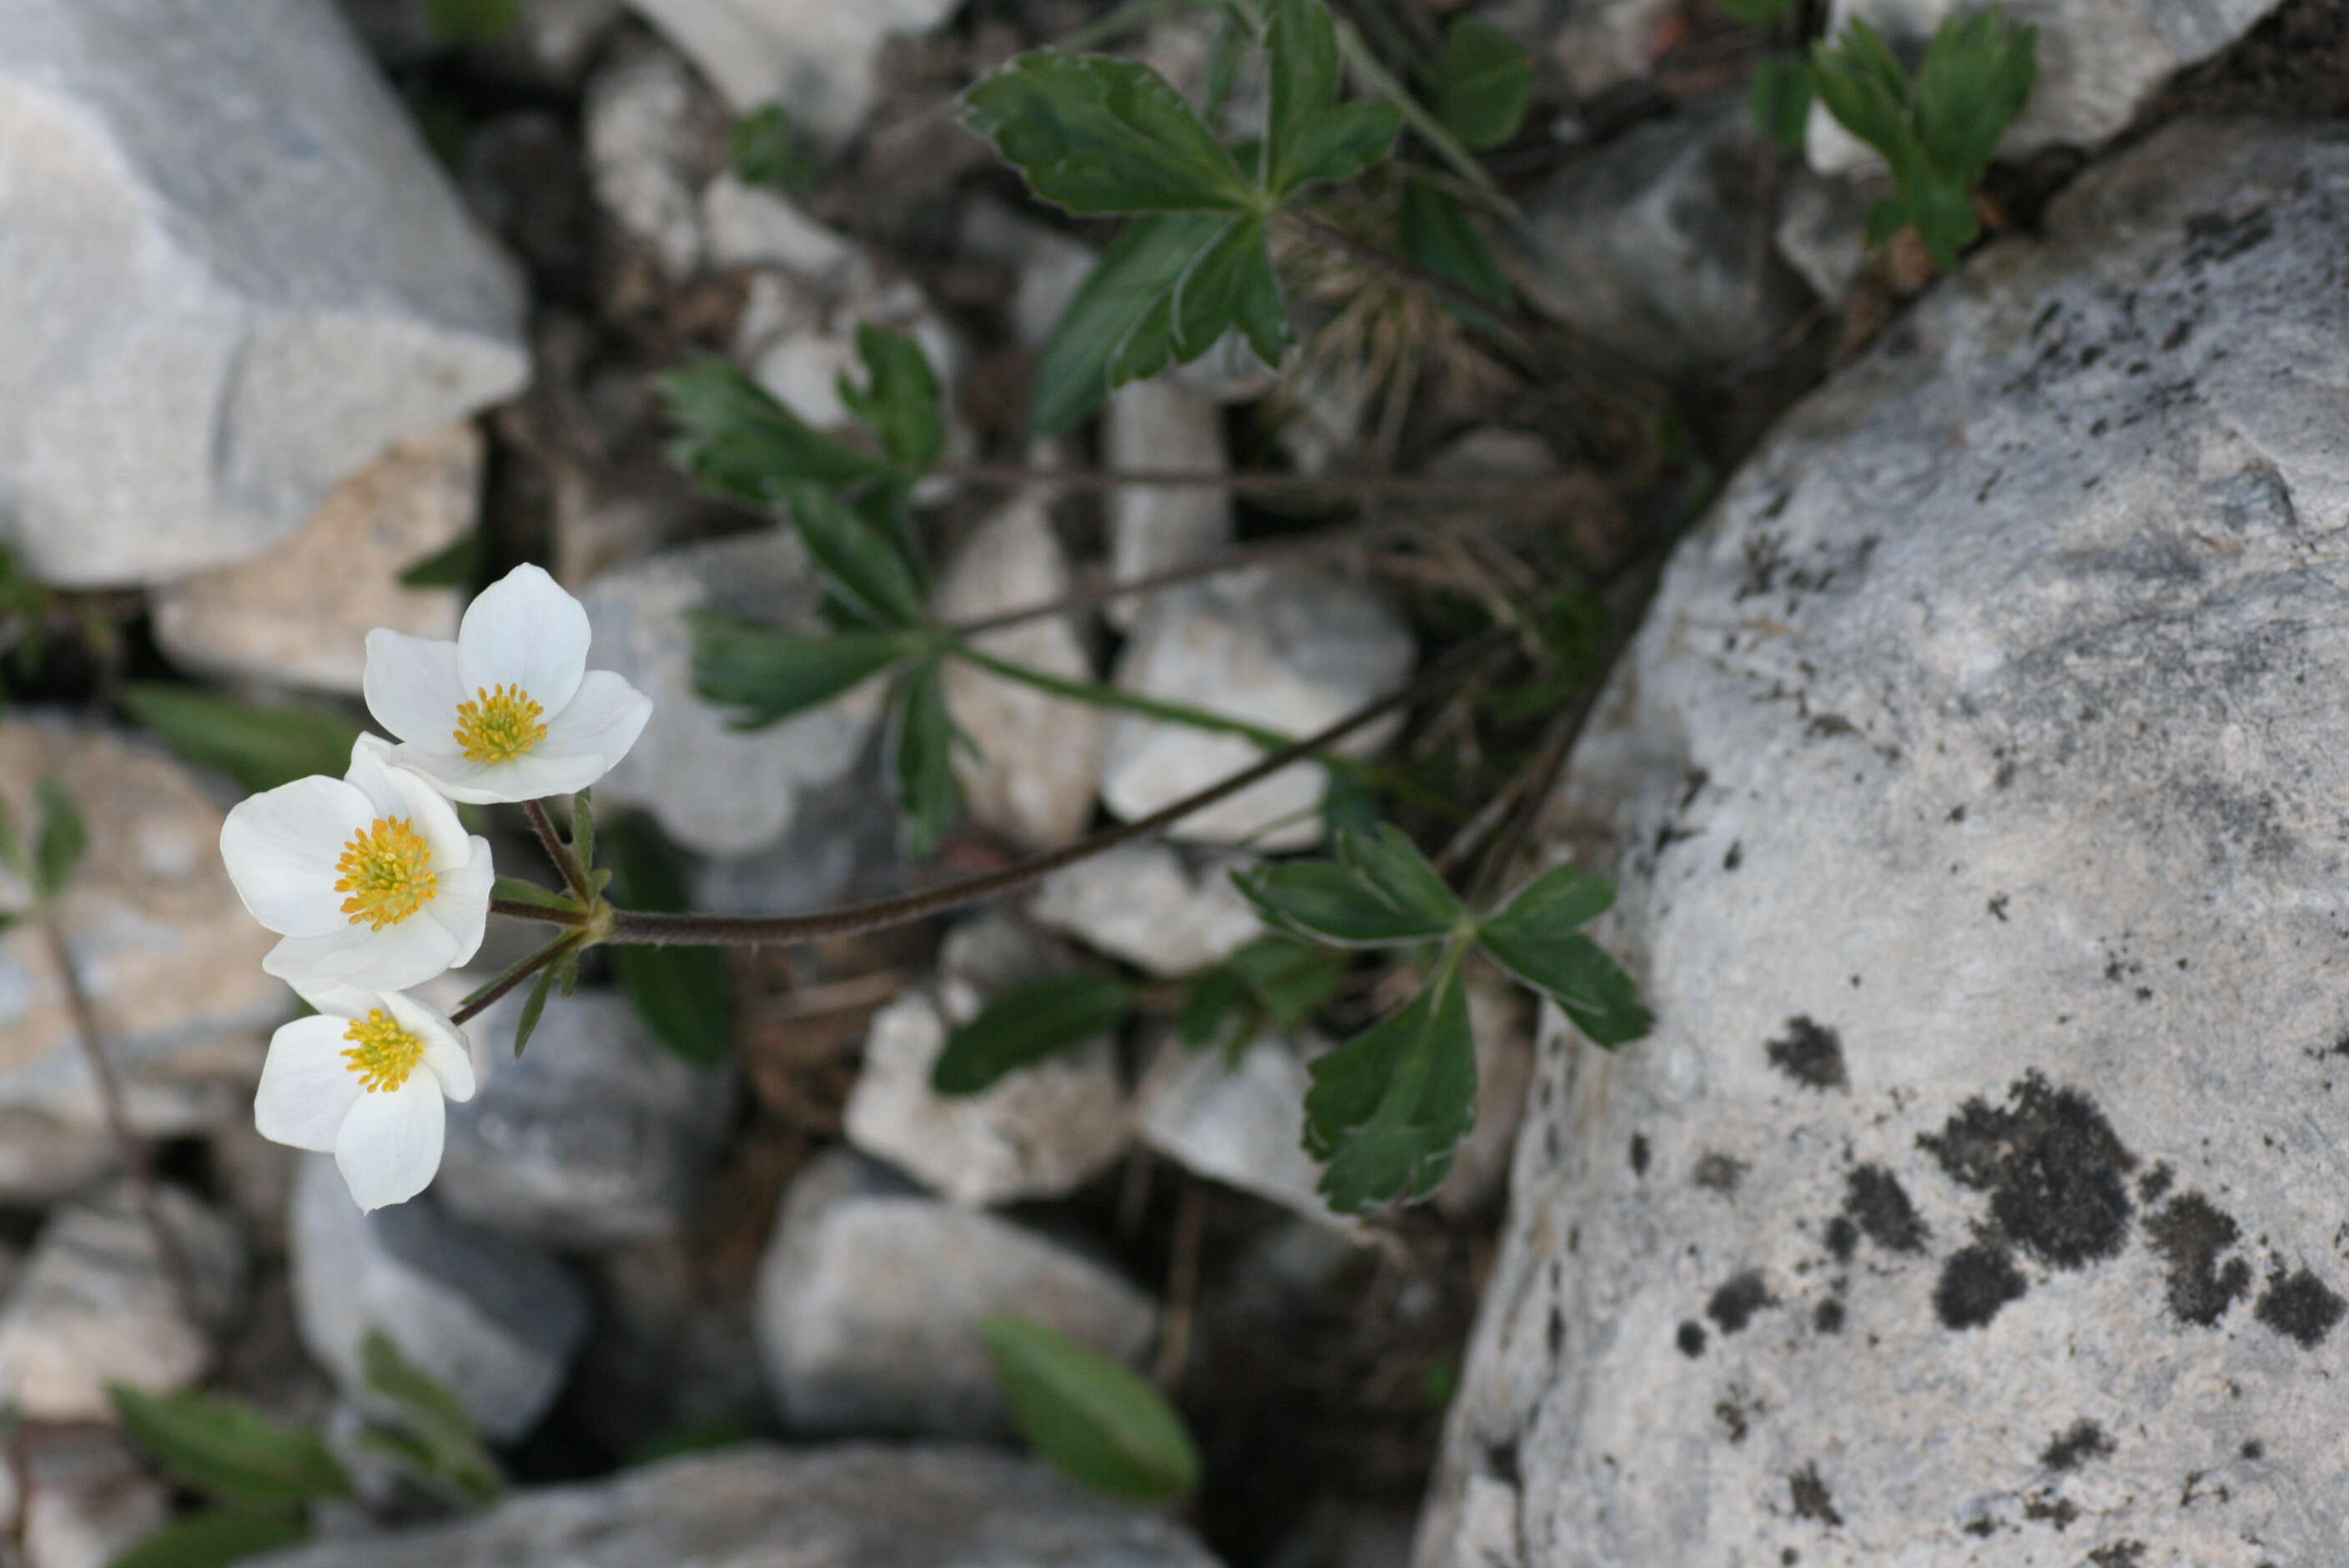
(390, 1143)
(460, 901)
(446, 1050)
(281, 847)
(416, 950)
(337, 1000)
(411, 686)
(528, 778)
(306, 1087)
(602, 722)
(401, 792)
(523, 631)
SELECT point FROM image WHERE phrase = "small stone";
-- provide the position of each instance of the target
(1602, 45)
(265, 619)
(1154, 424)
(748, 226)
(1822, 228)
(217, 313)
(94, 1306)
(93, 1495)
(653, 137)
(1034, 758)
(1144, 904)
(1242, 1124)
(596, 1136)
(495, 1321)
(870, 1296)
(1041, 1131)
(44, 1160)
(1293, 649)
(817, 57)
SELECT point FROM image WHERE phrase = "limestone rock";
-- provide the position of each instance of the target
(1047, 267)
(1974, 790)
(43, 1159)
(653, 137)
(266, 620)
(747, 226)
(823, 1508)
(1242, 1124)
(236, 277)
(797, 336)
(818, 57)
(870, 1293)
(1143, 903)
(1040, 1132)
(1156, 424)
(93, 1495)
(1293, 649)
(495, 1321)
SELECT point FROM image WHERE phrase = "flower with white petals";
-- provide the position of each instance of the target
(508, 711)
(370, 879)
(364, 1080)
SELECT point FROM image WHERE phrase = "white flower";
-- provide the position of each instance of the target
(509, 710)
(365, 1081)
(369, 878)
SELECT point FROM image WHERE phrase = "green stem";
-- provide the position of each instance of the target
(516, 908)
(574, 875)
(1367, 65)
(483, 996)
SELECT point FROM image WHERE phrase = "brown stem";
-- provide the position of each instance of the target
(517, 910)
(479, 1001)
(127, 1148)
(575, 876)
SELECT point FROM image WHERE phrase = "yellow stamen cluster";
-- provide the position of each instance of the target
(387, 871)
(382, 1054)
(501, 725)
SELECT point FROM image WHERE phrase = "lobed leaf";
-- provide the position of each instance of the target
(1779, 99)
(229, 1451)
(1388, 1108)
(1575, 974)
(1481, 82)
(924, 741)
(1976, 75)
(1088, 1415)
(1439, 233)
(769, 676)
(1230, 283)
(1309, 136)
(1118, 326)
(516, 891)
(1325, 900)
(899, 402)
(1093, 134)
(861, 564)
(1025, 1024)
(1392, 867)
(441, 1434)
(738, 442)
(1552, 904)
(260, 748)
(534, 1007)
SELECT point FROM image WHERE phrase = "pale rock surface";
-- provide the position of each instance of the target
(43, 1159)
(1039, 1132)
(93, 1305)
(1500, 1019)
(494, 1320)
(716, 790)
(1823, 227)
(1291, 648)
(236, 277)
(654, 136)
(1047, 267)
(1034, 758)
(817, 57)
(797, 336)
(94, 1496)
(870, 1296)
(1243, 1124)
(1143, 903)
(1156, 424)
(1597, 45)
(854, 1507)
(1974, 789)
(267, 619)
(748, 226)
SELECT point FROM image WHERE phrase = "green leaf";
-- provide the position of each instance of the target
(1120, 325)
(1481, 82)
(63, 838)
(1439, 233)
(1088, 1415)
(899, 402)
(215, 1539)
(435, 1421)
(1943, 210)
(534, 1005)
(1573, 971)
(1757, 13)
(1552, 904)
(12, 848)
(701, 1436)
(1976, 75)
(1208, 1004)
(1290, 980)
(583, 828)
(684, 995)
(454, 565)
(738, 442)
(925, 742)
(1780, 98)
(472, 24)
(1864, 87)
(1331, 901)
(1231, 283)
(229, 1451)
(1388, 1107)
(861, 564)
(768, 149)
(1392, 867)
(1093, 134)
(516, 891)
(769, 675)
(1309, 136)
(260, 748)
(1025, 1024)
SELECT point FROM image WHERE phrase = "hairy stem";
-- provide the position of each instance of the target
(517, 910)
(574, 875)
(479, 1001)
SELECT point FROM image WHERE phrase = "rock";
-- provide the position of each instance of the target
(716, 790)
(1034, 758)
(523, 175)
(654, 135)
(854, 1507)
(495, 1321)
(1654, 246)
(93, 1497)
(170, 959)
(1241, 1125)
(1293, 649)
(1822, 228)
(93, 1305)
(218, 314)
(797, 336)
(1499, 1016)
(674, 1351)
(43, 1159)
(1602, 45)
(1156, 424)
(1341, 1532)
(2099, 62)
(817, 57)
(1973, 790)
(842, 841)
(1047, 266)
(265, 620)
(747, 226)
(1141, 903)
(596, 1136)
(1040, 1132)
(870, 1293)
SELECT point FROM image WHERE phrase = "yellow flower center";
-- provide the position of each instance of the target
(387, 871)
(382, 1052)
(500, 726)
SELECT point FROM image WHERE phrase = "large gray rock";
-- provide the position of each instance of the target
(236, 277)
(755, 1506)
(495, 1321)
(818, 57)
(871, 1292)
(1975, 790)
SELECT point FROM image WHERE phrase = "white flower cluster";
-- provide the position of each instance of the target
(373, 885)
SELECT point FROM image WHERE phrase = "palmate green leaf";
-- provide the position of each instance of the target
(260, 748)
(1274, 981)
(899, 401)
(1943, 210)
(1863, 86)
(1481, 82)
(768, 676)
(1386, 1107)
(1552, 904)
(1575, 974)
(515, 890)
(1025, 1024)
(1093, 134)
(768, 149)
(216, 1539)
(61, 841)
(924, 741)
(738, 442)
(442, 1436)
(684, 995)
(1088, 1416)
(1231, 283)
(1101, 333)
(1439, 233)
(1329, 902)
(1392, 866)
(861, 564)
(1779, 99)
(1309, 136)
(1976, 75)
(229, 1451)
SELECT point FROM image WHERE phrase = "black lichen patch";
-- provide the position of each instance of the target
(2254, 1450)
(1719, 1173)
(1875, 1200)
(1812, 1498)
(2153, 1183)
(2075, 1445)
(2058, 1511)
(1690, 1339)
(1732, 1306)
(1843, 1238)
(2053, 1166)
(1976, 1284)
(2118, 1555)
(1736, 1413)
(1811, 1055)
(2300, 1306)
(1827, 1317)
(2190, 1232)
(1639, 1154)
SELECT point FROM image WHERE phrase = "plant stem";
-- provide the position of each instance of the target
(1476, 305)
(516, 908)
(1373, 72)
(574, 875)
(479, 1001)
